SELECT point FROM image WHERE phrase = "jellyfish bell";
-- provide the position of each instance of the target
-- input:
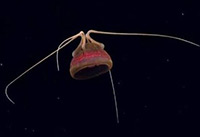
(90, 60)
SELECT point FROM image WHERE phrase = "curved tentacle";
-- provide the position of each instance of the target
(140, 34)
(62, 45)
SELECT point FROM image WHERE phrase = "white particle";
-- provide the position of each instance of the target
(183, 86)
(167, 60)
(182, 14)
(1, 64)
(148, 77)
(166, 21)
(8, 111)
(58, 98)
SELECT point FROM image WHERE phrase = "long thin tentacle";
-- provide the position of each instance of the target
(62, 45)
(141, 34)
(114, 96)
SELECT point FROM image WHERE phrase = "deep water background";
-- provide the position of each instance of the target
(156, 79)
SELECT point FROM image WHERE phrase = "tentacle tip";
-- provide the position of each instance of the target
(12, 102)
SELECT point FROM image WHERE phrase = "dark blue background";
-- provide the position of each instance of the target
(156, 79)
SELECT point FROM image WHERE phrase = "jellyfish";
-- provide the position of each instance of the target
(90, 59)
